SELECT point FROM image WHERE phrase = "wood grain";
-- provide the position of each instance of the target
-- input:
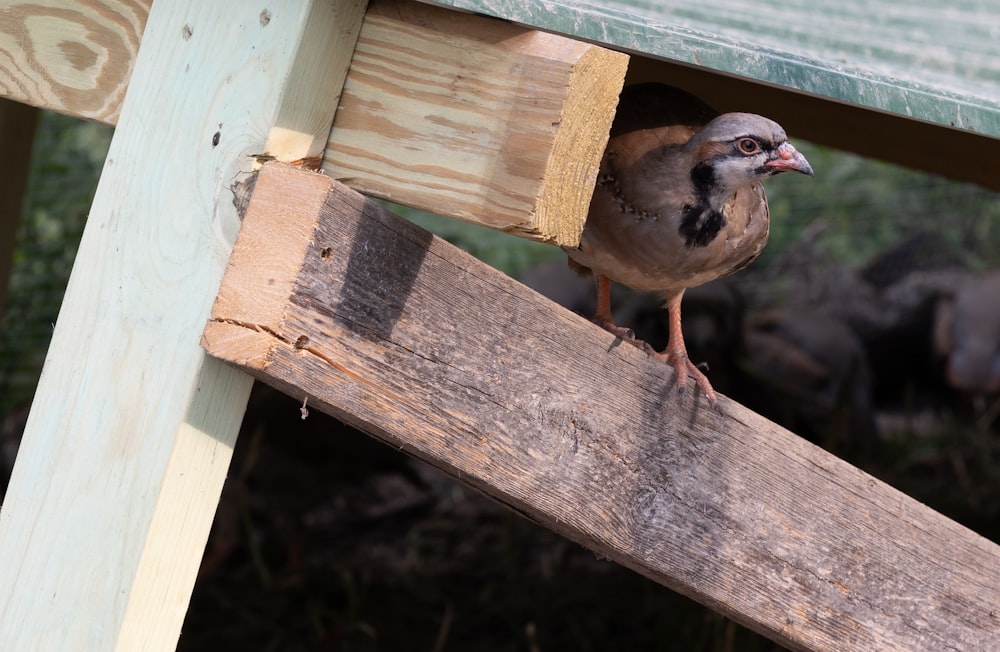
(74, 57)
(132, 426)
(475, 118)
(395, 331)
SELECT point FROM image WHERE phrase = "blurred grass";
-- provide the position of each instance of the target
(66, 164)
(867, 206)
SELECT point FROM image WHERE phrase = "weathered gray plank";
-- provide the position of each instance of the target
(931, 60)
(383, 325)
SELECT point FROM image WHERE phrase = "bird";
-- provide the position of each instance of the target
(678, 202)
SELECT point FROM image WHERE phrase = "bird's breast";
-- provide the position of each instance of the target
(668, 248)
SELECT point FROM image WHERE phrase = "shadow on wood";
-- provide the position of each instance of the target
(332, 298)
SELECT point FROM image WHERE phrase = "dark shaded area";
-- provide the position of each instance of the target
(398, 256)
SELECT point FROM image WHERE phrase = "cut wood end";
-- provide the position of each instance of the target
(239, 344)
(296, 147)
(271, 244)
(592, 97)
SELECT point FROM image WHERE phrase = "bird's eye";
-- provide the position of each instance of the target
(748, 145)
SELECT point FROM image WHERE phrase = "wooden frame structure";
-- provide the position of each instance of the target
(133, 425)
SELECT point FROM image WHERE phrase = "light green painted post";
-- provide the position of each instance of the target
(132, 426)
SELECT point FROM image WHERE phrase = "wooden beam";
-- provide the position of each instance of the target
(132, 426)
(74, 56)
(331, 298)
(475, 118)
(70, 56)
(17, 133)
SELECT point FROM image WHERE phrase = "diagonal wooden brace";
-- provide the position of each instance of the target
(332, 298)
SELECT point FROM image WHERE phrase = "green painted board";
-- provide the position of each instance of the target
(937, 61)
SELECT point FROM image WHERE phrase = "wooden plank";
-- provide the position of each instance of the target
(17, 133)
(381, 324)
(70, 56)
(132, 427)
(475, 118)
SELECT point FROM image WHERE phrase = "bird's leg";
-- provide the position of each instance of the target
(676, 352)
(603, 316)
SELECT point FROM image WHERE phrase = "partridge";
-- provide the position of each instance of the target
(678, 202)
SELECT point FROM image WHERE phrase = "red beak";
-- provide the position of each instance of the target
(789, 160)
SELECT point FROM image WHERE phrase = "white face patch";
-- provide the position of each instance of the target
(734, 172)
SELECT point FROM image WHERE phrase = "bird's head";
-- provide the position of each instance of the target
(736, 150)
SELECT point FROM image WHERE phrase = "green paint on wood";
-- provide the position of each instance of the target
(925, 59)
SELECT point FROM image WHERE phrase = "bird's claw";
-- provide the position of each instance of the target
(621, 332)
(679, 361)
(684, 367)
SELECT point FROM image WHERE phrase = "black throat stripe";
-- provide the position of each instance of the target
(699, 223)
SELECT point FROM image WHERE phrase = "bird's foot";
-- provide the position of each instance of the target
(677, 359)
(621, 332)
(685, 368)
